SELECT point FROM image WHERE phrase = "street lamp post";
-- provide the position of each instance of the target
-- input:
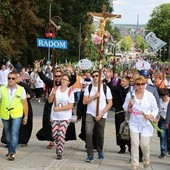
(53, 28)
(80, 41)
(49, 18)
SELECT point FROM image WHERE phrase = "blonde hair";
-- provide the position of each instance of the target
(140, 78)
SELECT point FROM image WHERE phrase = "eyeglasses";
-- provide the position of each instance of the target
(57, 75)
(11, 78)
(139, 84)
(64, 79)
(95, 76)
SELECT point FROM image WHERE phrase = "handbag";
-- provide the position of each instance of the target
(74, 117)
(124, 131)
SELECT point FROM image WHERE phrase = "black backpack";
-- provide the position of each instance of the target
(82, 108)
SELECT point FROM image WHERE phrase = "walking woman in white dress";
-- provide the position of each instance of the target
(142, 107)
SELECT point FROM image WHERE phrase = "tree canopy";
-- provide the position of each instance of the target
(160, 23)
(24, 21)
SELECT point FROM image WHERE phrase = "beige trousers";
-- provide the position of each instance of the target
(144, 142)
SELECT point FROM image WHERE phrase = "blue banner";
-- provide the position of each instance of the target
(52, 43)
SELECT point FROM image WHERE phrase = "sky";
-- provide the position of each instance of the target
(130, 9)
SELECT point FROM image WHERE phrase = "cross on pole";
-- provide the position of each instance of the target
(104, 17)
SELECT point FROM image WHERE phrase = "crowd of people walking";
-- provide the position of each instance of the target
(139, 97)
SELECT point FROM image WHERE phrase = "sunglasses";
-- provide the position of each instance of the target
(11, 78)
(139, 84)
(57, 75)
(95, 76)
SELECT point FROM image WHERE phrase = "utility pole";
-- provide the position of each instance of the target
(80, 41)
(50, 2)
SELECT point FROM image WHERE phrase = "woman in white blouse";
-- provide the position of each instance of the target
(61, 112)
(142, 107)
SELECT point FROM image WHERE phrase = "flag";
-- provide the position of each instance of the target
(155, 43)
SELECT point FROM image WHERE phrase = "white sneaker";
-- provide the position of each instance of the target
(39, 100)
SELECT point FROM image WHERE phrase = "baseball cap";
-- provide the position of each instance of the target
(145, 73)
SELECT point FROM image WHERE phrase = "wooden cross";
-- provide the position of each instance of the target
(104, 17)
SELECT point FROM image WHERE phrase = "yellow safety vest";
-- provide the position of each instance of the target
(13, 109)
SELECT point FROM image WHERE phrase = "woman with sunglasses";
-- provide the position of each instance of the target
(63, 99)
(142, 108)
(45, 132)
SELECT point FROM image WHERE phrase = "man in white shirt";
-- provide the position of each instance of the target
(96, 120)
(3, 75)
(13, 105)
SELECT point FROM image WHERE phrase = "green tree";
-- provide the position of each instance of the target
(126, 43)
(160, 23)
(19, 28)
(24, 21)
(140, 43)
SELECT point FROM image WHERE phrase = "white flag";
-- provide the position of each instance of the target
(154, 42)
(85, 64)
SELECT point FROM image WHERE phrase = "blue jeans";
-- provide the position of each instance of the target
(77, 96)
(163, 136)
(11, 130)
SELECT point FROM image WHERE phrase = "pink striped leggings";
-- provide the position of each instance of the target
(59, 128)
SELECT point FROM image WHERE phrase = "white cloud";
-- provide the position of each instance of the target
(121, 3)
(129, 9)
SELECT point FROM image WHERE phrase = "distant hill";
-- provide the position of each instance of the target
(129, 29)
(126, 29)
(129, 25)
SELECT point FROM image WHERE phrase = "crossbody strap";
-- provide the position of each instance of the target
(161, 82)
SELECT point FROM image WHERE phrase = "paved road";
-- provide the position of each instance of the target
(36, 157)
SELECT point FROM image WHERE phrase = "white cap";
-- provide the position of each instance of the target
(84, 64)
(143, 65)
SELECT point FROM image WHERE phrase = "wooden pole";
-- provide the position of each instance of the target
(104, 17)
(55, 103)
(53, 67)
(99, 80)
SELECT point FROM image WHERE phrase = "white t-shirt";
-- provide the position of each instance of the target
(163, 108)
(62, 99)
(38, 82)
(4, 77)
(91, 107)
(86, 83)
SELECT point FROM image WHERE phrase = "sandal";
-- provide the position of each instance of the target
(59, 157)
(50, 145)
(7, 155)
(134, 167)
(11, 157)
(146, 164)
(24, 145)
